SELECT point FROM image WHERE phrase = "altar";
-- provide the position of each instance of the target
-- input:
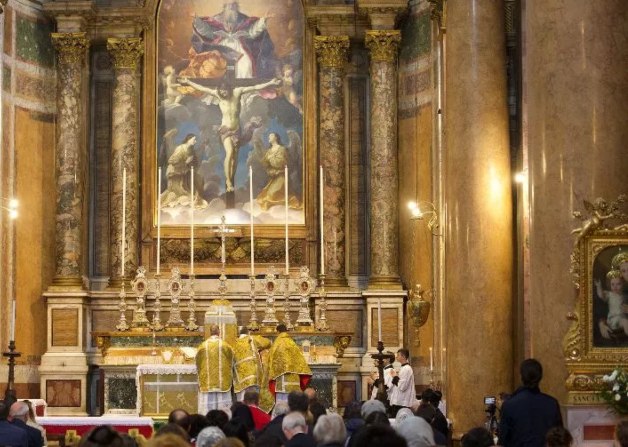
(151, 374)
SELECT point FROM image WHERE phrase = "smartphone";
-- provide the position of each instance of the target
(489, 400)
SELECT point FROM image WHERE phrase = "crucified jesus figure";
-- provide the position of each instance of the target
(231, 136)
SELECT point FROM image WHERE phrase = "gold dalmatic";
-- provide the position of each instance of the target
(287, 365)
(214, 364)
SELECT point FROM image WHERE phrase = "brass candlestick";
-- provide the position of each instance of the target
(253, 325)
(122, 323)
(191, 326)
(269, 323)
(321, 324)
(156, 324)
(10, 396)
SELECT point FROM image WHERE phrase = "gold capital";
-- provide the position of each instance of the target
(331, 50)
(70, 47)
(383, 44)
(126, 52)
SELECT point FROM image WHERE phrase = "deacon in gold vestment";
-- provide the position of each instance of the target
(214, 365)
(287, 369)
(249, 371)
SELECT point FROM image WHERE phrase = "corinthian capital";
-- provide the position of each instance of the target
(126, 52)
(383, 44)
(331, 50)
(70, 47)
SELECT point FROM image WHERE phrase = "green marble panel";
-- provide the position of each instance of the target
(122, 393)
(415, 37)
(147, 341)
(33, 43)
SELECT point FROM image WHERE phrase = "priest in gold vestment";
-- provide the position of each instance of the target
(287, 369)
(249, 372)
(214, 365)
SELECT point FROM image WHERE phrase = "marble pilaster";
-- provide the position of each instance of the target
(384, 182)
(126, 55)
(332, 56)
(478, 224)
(70, 159)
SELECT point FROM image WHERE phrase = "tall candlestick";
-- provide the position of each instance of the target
(431, 359)
(158, 218)
(321, 187)
(192, 220)
(12, 337)
(123, 242)
(379, 319)
(286, 191)
(251, 212)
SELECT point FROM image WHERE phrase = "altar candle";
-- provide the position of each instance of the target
(222, 243)
(123, 223)
(286, 191)
(12, 321)
(251, 213)
(158, 218)
(321, 187)
(192, 220)
(379, 319)
(431, 359)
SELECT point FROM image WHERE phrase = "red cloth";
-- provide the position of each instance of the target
(83, 429)
(304, 379)
(260, 418)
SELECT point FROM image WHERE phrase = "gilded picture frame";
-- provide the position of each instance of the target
(597, 341)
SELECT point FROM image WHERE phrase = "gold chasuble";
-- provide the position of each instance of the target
(248, 363)
(287, 369)
(214, 364)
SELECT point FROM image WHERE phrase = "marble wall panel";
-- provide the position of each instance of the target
(347, 321)
(32, 41)
(63, 393)
(390, 327)
(34, 88)
(65, 325)
(7, 43)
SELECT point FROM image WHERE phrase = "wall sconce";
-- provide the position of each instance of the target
(421, 210)
(12, 205)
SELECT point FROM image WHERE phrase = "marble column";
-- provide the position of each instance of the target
(70, 159)
(384, 171)
(574, 106)
(478, 221)
(126, 54)
(332, 56)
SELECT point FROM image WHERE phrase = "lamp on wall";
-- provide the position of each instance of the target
(422, 210)
(11, 207)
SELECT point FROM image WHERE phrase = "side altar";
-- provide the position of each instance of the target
(152, 373)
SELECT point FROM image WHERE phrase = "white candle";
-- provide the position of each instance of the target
(379, 319)
(192, 220)
(251, 213)
(158, 218)
(12, 337)
(123, 223)
(321, 187)
(286, 191)
(222, 241)
(431, 359)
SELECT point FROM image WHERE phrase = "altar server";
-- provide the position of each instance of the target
(214, 363)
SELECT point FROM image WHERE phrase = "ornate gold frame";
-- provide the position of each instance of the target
(587, 362)
(267, 236)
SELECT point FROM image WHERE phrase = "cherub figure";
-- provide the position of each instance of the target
(173, 96)
(616, 318)
(599, 211)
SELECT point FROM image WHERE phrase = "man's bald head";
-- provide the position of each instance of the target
(19, 410)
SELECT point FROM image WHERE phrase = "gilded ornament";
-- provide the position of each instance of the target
(383, 44)
(70, 47)
(126, 53)
(599, 212)
(341, 343)
(331, 50)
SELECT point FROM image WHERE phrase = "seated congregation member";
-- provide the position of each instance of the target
(209, 436)
(32, 420)
(330, 431)
(316, 410)
(214, 382)
(241, 412)
(371, 406)
(377, 436)
(235, 428)
(180, 417)
(172, 429)
(103, 436)
(477, 437)
(287, 369)
(352, 417)
(260, 417)
(9, 433)
(18, 415)
(297, 402)
(440, 421)
(528, 414)
(621, 434)
(417, 432)
(167, 440)
(402, 392)
(197, 423)
(217, 418)
(295, 430)
(558, 437)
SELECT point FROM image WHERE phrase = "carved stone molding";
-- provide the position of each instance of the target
(3, 3)
(70, 47)
(382, 15)
(336, 20)
(126, 52)
(439, 13)
(331, 50)
(383, 44)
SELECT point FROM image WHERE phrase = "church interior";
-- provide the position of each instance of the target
(437, 175)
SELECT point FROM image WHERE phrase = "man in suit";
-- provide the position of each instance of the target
(295, 430)
(18, 414)
(10, 434)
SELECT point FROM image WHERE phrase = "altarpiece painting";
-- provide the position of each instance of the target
(229, 98)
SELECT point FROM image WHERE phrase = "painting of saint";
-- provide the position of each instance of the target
(229, 98)
(610, 297)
